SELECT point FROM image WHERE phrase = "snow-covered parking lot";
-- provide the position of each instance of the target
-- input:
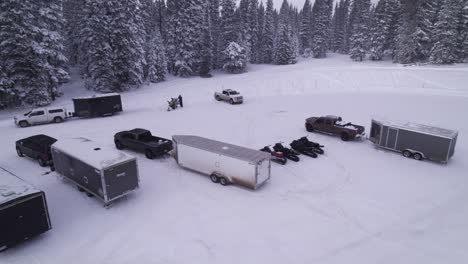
(355, 204)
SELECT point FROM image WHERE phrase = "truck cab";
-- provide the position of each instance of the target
(41, 116)
(334, 125)
(142, 140)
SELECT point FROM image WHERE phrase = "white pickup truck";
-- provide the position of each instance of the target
(228, 95)
(41, 116)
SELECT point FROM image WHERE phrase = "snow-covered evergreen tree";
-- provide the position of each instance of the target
(229, 32)
(465, 31)
(235, 58)
(206, 48)
(360, 30)
(215, 31)
(444, 50)
(340, 41)
(305, 31)
(268, 36)
(31, 49)
(406, 45)
(155, 55)
(73, 13)
(285, 52)
(379, 30)
(320, 35)
(426, 17)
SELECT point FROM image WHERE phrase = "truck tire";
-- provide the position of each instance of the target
(417, 156)
(19, 152)
(149, 154)
(345, 136)
(41, 162)
(407, 154)
(217, 98)
(23, 123)
(118, 145)
(58, 119)
(223, 181)
(231, 101)
(214, 178)
(309, 128)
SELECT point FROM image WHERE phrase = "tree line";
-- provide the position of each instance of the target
(120, 45)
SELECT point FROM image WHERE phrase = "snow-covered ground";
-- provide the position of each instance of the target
(356, 204)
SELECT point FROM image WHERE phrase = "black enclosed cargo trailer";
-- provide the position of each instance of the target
(414, 140)
(103, 172)
(97, 105)
(23, 211)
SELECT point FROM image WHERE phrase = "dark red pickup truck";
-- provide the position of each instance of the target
(334, 125)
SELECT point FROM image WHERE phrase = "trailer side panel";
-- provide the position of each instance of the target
(23, 218)
(433, 147)
(121, 179)
(79, 172)
(452, 147)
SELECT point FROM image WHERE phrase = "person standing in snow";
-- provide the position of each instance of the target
(180, 101)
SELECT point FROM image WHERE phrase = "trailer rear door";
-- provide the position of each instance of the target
(121, 179)
(263, 172)
(392, 138)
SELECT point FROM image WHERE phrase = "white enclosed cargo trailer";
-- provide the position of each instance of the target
(223, 162)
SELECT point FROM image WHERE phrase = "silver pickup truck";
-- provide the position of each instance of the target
(228, 95)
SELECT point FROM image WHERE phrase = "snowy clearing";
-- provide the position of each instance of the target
(355, 204)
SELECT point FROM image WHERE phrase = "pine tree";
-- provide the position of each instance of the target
(206, 48)
(228, 24)
(321, 25)
(172, 28)
(268, 36)
(393, 12)
(360, 30)
(444, 49)
(235, 58)
(215, 31)
(406, 45)
(284, 48)
(73, 12)
(305, 33)
(261, 32)
(465, 31)
(426, 17)
(31, 49)
(253, 29)
(339, 42)
(156, 64)
(379, 30)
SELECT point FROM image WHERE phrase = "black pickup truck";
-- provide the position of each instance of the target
(141, 140)
(36, 147)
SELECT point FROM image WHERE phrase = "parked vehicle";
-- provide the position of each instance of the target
(288, 153)
(36, 147)
(224, 163)
(97, 105)
(23, 211)
(303, 149)
(41, 116)
(277, 157)
(315, 147)
(334, 125)
(228, 95)
(107, 174)
(143, 141)
(414, 140)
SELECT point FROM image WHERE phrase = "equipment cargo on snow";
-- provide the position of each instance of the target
(224, 163)
(23, 211)
(414, 140)
(103, 172)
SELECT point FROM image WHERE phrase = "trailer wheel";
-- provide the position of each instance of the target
(23, 124)
(407, 154)
(149, 154)
(58, 119)
(19, 152)
(223, 181)
(417, 156)
(214, 178)
(345, 136)
(118, 145)
(41, 162)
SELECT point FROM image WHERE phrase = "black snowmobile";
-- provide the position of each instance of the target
(303, 149)
(315, 147)
(277, 157)
(288, 153)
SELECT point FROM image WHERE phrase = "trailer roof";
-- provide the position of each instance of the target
(97, 96)
(431, 130)
(12, 187)
(222, 148)
(91, 153)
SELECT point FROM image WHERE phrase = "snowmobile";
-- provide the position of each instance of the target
(315, 147)
(288, 153)
(173, 104)
(303, 149)
(277, 157)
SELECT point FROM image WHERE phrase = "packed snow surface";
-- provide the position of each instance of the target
(355, 204)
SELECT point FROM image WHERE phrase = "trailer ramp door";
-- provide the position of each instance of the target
(121, 179)
(392, 138)
(263, 171)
